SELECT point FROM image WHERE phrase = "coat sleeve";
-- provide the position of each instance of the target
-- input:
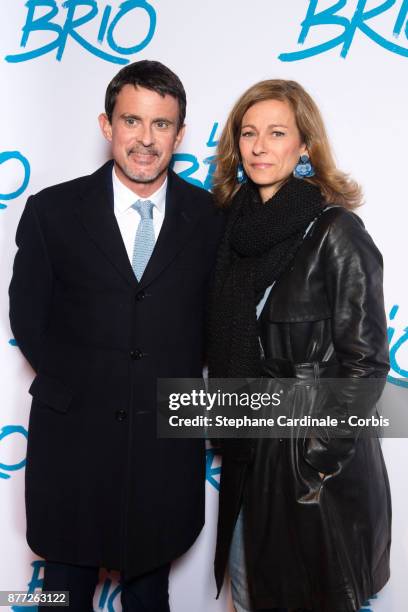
(354, 285)
(354, 282)
(31, 286)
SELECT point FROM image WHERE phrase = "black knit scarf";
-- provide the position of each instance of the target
(259, 243)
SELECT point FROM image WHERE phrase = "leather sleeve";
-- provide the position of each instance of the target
(354, 282)
(31, 286)
(353, 278)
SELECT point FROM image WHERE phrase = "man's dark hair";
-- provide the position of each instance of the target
(151, 75)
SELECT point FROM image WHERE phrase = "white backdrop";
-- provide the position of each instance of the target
(56, 59)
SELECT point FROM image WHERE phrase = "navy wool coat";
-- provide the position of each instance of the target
(101, 488)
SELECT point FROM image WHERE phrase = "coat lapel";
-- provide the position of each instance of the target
(98, 217)
(179, 221)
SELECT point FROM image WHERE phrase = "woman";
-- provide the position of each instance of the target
(304, 524)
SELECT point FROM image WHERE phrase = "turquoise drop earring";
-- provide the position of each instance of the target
(304, 168)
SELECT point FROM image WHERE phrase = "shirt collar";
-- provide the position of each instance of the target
(124, 197)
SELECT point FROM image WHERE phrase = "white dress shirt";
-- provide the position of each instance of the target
(128, 218)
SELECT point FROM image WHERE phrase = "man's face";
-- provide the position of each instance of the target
(144, 135)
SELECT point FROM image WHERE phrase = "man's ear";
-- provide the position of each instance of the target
(105, 126)
(179, 137)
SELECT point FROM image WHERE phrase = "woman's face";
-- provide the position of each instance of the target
(270, 145)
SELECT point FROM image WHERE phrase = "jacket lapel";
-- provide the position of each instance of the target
(180, 219)
(98, 217)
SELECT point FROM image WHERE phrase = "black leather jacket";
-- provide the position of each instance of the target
(319, 544)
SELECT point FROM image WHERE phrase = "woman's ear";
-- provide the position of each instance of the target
(303, 150)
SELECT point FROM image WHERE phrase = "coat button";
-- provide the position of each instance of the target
(136, 354)
(121, 415)
(140, 296)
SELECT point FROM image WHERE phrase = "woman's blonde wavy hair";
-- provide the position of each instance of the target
(335, 186)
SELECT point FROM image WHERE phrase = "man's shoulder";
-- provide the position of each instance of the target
(54, 193)
(200, 195)
(67, 191)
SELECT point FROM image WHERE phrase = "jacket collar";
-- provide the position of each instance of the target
(97, 216)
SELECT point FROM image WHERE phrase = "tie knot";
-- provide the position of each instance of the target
(144, 208)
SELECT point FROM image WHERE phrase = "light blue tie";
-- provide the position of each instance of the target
(144, 239)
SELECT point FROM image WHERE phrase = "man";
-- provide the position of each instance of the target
(107, 295)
